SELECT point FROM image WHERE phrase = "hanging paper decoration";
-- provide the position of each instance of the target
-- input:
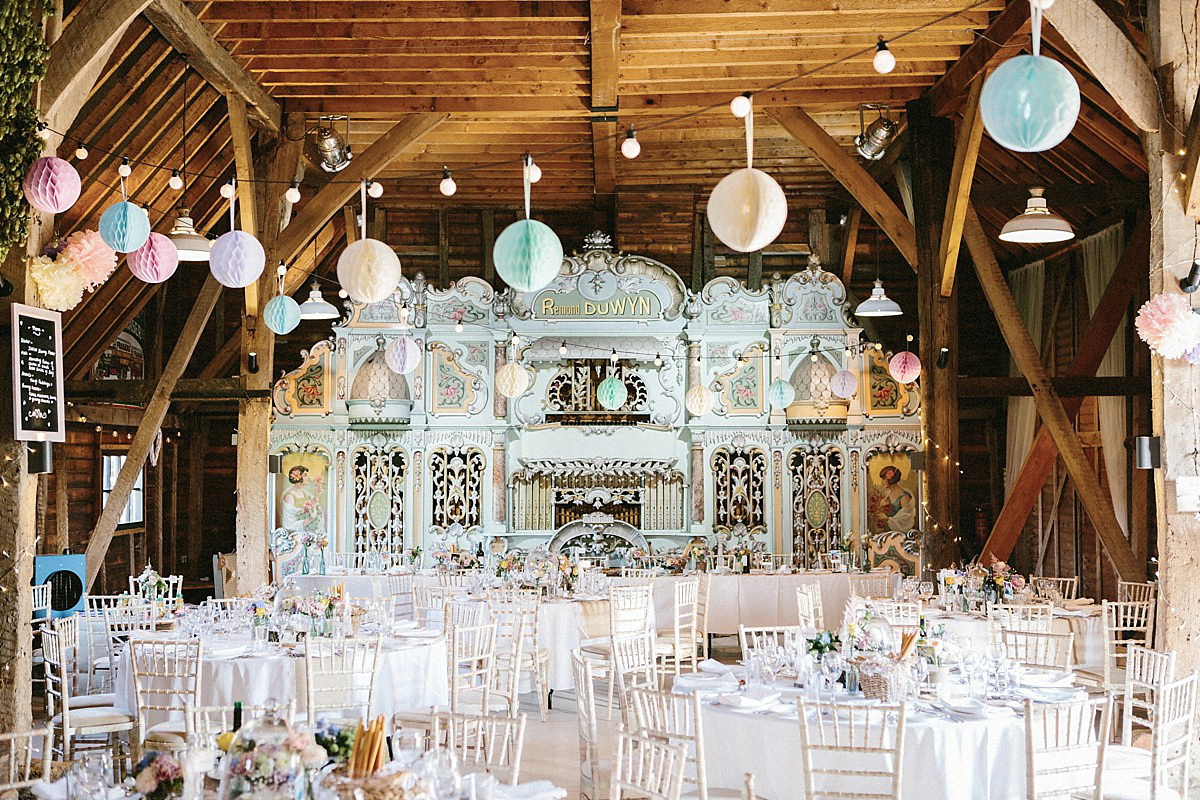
(57, 283)
(124, 226)
(612, 393)
(1167, 324)
(281, 314)
(511, 380)
(528, 254)
(781, 394)
(369, 271)
(236, 259)
(155, 261)
(403, 355)
(51, 185)
(747, 208)
(90, 256)
(904, 367)
(699, 400)
(844, 384)
(1030, 103)
(1193, 356)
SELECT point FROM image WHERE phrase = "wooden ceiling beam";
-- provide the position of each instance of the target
(962, 175)
(850, 243)
(1002, 39)
(1055, 419)
(1062, 195)
(1190, 193)
(853, 177)
(604, 37)
(187, 34)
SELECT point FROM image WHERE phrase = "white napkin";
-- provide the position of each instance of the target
(705, 680)
(1043, 680)
(975, 709)
(1066, 612)
(750, 699)
(58, 790)
(419, 633)
(714, 666)
(534, 790)
(225, 651)
(1064, 694)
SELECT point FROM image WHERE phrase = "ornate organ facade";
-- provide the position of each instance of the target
(376, 460)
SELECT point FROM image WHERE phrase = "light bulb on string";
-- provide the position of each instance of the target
(447, 187)
(81, 152)
(292, 195)
(740, 106)
(124, 170)
(227, 191)
(515, 339)
(458, 327)
(175, 181)
(631, 146)
(375, 189)
(532, 171)
(884, 60)
(658, 362)
(562, 349)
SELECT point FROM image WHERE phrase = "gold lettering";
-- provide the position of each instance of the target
(547, 306)
(589, 308)
(643, 305)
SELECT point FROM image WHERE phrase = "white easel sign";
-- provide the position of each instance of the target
(37, 375)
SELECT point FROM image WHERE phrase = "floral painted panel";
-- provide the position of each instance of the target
(742, 387)
(452, 385)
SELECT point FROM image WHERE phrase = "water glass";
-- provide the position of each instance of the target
(832, 665)
(978, 682)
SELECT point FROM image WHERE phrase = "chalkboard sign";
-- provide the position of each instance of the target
(37, 375)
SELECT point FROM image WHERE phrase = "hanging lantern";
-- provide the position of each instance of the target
(512, 380)
(781, 394)
(91, 257)
(904, 367)
(747, 210)
(124, 227)
(528, 255)
(51, 185)
(844, 384)
(281, 314)
(403, 355)
(369, 271)
(699, 400)
(236, 259)
(612, 393)
(155, 261)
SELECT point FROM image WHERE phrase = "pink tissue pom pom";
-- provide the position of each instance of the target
(1166, 323)
(93, 259)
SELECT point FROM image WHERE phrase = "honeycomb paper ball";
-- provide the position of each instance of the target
(512, 380)
(781, 394)
(699, 400)
(369, 271)
(236, 259)
(844, 384)
(612, 393)
(1029, 103)
(281, 314)
(51, 185)
(155, 261)
(747, 210)
(92, 258)
(528, 255)
(124, 227)
(904, 367)
(403, 355)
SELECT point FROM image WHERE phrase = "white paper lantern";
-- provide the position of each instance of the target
(904, 367)
(236, 259)
(699, 400)
(844, 384)
(403, 355)
(369, 271)
(512, 380)
(781, 394)
(747, 210)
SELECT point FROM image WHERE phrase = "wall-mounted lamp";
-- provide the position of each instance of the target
(41, 458)
(1192, 282)
(943, 357)
(275, 463)
(252, 363)
(1147, 452)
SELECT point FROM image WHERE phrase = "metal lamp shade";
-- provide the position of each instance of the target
(878, 304)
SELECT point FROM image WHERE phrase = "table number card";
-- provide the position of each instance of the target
(37, 375)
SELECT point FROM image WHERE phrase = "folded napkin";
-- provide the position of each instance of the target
(705, 680)
(714, 666)
(534, 790)
(975, 709)
(419, 633)
(1078, 602)
(1043, 680)
(58, 790)
(1072, 612)
(755, 698)
(225, 651)
(1065, 694)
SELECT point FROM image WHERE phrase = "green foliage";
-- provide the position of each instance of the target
(23, 57)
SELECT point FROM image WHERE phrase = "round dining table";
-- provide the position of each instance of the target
(1086, 624)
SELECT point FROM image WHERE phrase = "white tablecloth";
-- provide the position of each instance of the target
(374, 585)
(1088, 630)
(411, 674)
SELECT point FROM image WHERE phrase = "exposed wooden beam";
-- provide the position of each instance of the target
(966, 153)
(443, 278)
(1190, 193)
(152, 418)
(1068, 386)
(853, 177)
(139, 392)
(184, 31)
(604, 35)
(1062, 195)
(754, 270)
(1094, 344)
(849, 242)
(1054, 417)
(243, 159)
(999, 41)
(604, 155)
(487, 220)
(1111, 58)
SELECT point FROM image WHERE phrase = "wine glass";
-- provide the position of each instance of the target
(832, 665)
(920, 673)
(440, 767)
(926, 591)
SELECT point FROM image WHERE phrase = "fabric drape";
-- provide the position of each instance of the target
(1027, 284)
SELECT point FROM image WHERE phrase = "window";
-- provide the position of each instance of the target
(134, 511)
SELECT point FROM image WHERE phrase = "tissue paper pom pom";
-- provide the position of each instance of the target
(51, 185)
(1193, 355)
(1166, 323)
(57, 282)
(155, 261)
(92, 258)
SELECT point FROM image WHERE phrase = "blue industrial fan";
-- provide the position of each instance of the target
(67, 576)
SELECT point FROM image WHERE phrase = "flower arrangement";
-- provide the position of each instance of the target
(996, 577)
(699, 551)
(260, 612)
(158, 776)
(864, 631)
(337, 740)
(441, 557)
(1166, 323)
(313, 754)
(675, 562)
(319, 540)
(824, 642)
(150, 582)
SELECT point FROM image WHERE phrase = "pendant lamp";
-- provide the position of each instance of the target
(316, 306)
(192, 246)
(1037, 224)
(878, 304)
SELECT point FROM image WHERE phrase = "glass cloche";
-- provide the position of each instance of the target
(263, 762)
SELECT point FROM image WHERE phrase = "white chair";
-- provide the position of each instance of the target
(628, 614)
(752, 638)
(851, 750)
(207, 722)
(898, 614)
(164, 601)
(1125, 625)
(462, 579)
(1038, 650)
(472, 667)
(19, 752)
(677, 645)
(230, 607)
(1146, 671)
(463, 613)
(809, 608)
(401, 587)
(41, 603)
(121, 622)
(339, 676)
(1064, 748)
(1046, 587)
(533, 659)
(1164, 773)
(494, 743)
(429, 605)
(639, 573)
(871, 585)
(166, 679)
(67, 629)
(590, 774)
(1035, 617)
(646, 767)
(676, 718)
(70, 722)
(634, 665)
(1135, 592)
(703, 597)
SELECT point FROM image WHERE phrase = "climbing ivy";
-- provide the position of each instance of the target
(23, 57)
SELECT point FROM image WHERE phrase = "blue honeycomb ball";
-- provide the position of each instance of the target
(282, 314)
(1029, 103)
(528, 255)
(124, 227)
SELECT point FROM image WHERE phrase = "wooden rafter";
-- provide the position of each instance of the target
(1001, 40)
(849, 243)
(852, 176)
(966, 153)
(1042, 454)
(604, 38)
(1054, 417)
(1190, 193)
(243, 160)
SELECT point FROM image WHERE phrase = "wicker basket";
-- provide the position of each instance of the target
(888, 681)
(399, 785)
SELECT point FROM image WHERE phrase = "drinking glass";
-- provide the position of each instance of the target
(832, 665)
(440, 767)
(978, 682)
(406, 744)
(920, 673)
(99, 764)
(926, 591)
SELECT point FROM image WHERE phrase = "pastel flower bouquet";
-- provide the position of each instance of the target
(158, 776)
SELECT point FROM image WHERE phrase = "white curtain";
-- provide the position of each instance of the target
(1027, 285)
(1101, 253)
